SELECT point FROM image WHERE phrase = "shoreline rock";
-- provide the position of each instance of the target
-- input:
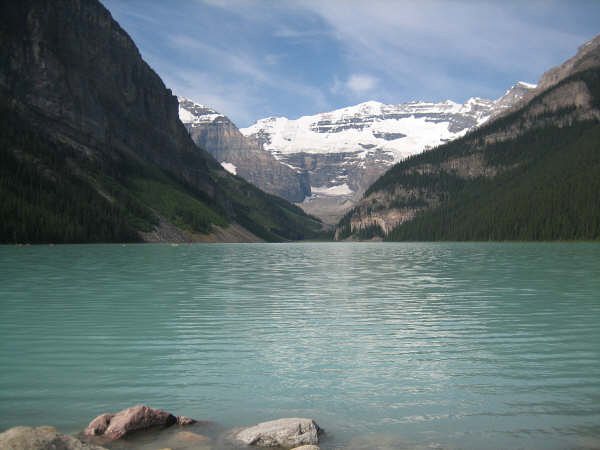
(287, 433)
(41, 438)
(139, 417)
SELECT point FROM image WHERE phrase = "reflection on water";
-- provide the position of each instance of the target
(385, 345)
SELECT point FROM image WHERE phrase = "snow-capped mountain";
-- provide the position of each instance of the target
(345, 150)
(513, 96)
(195, 115)
(241, 155)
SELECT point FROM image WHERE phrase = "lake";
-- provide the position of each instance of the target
(417, 345)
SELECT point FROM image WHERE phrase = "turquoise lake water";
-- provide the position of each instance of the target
(475, 346)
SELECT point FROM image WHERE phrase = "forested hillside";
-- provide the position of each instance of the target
(533, 174)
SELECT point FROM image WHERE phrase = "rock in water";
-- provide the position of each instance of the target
(41, 438)
(288, 433)
(99, 425)
(189, 437)
(182, 420)
(140, 417)
(307, 447)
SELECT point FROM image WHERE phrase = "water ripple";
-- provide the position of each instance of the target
(416, 345)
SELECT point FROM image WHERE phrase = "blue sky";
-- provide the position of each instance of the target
(258, 58)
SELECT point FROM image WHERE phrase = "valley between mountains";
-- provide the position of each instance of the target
(325, 162)
(95, 148)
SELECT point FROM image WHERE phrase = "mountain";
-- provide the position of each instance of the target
(241, 155)
(530, 173)
(92, 148)
(345, 150)
(587, 57)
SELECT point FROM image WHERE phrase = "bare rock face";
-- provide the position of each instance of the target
(41, 438)
(140, 417)
(287, 433)
(587, 57)
(53, 73)
(245, 156)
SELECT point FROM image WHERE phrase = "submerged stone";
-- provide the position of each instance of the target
(188, 436)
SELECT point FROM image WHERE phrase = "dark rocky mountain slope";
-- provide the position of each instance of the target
(92, 148)
(533, 173)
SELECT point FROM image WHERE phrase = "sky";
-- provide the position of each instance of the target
(251, 59)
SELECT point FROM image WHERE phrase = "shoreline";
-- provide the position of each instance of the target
(140, 425)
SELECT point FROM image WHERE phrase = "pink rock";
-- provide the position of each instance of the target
(99, 425)
(140, 417)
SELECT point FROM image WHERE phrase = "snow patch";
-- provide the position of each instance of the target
(229, 168)
(299, 136)
(194, 113)
(185, 116)
(364, 126)
(527, 85)
(340, 189)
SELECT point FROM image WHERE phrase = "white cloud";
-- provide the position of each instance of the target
(272, 59)
(287, 32)
(251, 59)
(431, 49)
(361, 83)
(242, 86)
(234, 100)
(448, 48)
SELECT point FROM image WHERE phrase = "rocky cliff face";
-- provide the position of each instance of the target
(78, 75)
(241, 155)
(346, 150)
(73, 82)
(512, 97)
(587, 57)
(567, 97)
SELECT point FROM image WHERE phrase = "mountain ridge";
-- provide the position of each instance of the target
(345, 150)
